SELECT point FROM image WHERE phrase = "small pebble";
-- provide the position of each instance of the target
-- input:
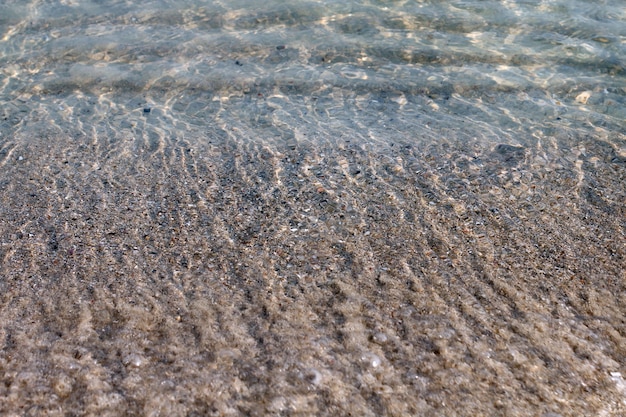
(370, 359)
(133, 361)
(62, 385)
(312, 376)
(168, 383)
(380, 338)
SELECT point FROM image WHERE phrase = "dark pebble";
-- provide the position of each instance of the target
(508, 153)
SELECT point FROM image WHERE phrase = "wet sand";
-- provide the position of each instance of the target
(240, 277)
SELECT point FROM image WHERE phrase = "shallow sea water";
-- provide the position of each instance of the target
(312, 208)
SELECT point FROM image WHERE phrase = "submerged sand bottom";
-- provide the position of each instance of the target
(245, 278)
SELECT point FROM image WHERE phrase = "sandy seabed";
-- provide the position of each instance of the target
(227, 278)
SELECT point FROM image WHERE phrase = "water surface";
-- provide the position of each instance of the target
(312, 208)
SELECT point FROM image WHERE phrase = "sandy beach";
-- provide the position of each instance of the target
(227, 277)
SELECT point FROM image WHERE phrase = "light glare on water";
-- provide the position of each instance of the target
(312, 208)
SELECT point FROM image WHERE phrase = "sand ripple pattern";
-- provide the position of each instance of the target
(226, 276)
(349, 208)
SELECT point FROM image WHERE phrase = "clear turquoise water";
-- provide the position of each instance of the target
(481, 70)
